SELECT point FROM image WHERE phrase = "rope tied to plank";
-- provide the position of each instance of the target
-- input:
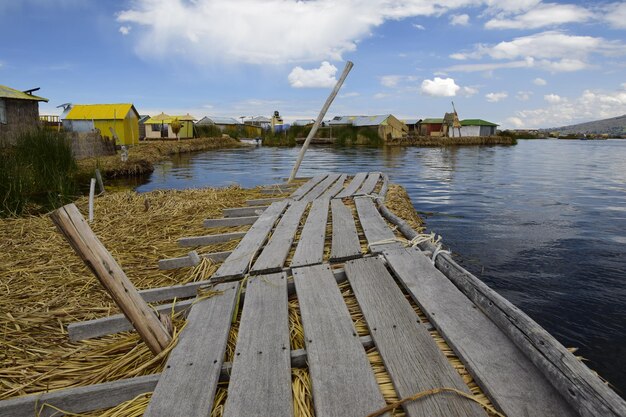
(417, 240)
(432, 392)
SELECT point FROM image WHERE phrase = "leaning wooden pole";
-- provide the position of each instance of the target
(80, 236)
(318, 121)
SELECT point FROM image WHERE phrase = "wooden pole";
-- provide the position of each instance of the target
(92, 191)
(100, 182)
(73, 226)
(318, 121)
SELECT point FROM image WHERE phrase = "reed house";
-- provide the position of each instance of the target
(386, 125)
(112, 120)
(19, 111)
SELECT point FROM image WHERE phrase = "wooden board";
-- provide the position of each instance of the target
(320, 188)
(410, 354)
(353, 186)
(237, 263)
(244, 211)
(336, 188)
(345, 241)
(342, 378)
(260, 382)
(310, 248)
(374, 226)
(187, 261)
(370, 184)
(307, 186)
(188, 382)
(209, 239)
(273, 256)
(262, 201)
(231, 221)
(504, 373)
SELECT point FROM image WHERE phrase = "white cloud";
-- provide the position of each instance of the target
(379, 96)
(511, 6)
(459, 20)
(490, 66)
(539, 81)
(349, 94)
(418, 27)
(553, 98)
(542, 15)
(394, 81)
(495, 97)
(616, 15)
(125, 30)
(523, 95)
(440, 87)
(469, 91)
(324, 76)
(515, 122)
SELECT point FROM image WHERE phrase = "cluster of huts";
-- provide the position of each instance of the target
(19, 111)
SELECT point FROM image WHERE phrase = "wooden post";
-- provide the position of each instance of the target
(100, 182)
(92, 191)
(318, 121)
(73, 226)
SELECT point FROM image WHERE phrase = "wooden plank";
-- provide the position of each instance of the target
(320, 188)
(345, 241)
(342, 378)
(260, 382)
(336, 188)
(505, 374)
(188, 382)
(310, 248)
(239, 260)
(354, 185)
(370, 184)
(377, 233)
(262, 201)
(273, 256)
(307, 186)
(231, 221)
(102, 264)
(410, 354)
(244, 211)
(187, 261)
(209, 239)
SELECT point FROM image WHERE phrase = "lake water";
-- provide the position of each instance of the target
(543, 222)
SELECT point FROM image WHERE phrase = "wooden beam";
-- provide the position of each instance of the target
(187, 261)
(209, 239)
(244, 211)
(80, 236)
(230, 221)
(262, 201)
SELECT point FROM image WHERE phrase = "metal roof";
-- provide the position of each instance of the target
(476, 122)
(100, 111)
(360, 120)
(410, 121)
(8, 92)
(303, 122)
(432, 121)
(208, 120)
(167, 119)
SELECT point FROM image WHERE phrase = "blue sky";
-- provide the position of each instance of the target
(521, 64)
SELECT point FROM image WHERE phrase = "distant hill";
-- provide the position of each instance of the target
(615, 126)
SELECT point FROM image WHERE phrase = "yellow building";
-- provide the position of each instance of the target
(122, 119)
(159, 127)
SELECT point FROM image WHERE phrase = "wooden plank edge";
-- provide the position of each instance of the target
(229, 221)
(209, 239)
(243, 211)
(578, 384)
(187, 261)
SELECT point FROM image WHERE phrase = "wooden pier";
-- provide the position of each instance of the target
(332, 229)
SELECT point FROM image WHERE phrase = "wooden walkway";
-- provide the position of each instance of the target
(335, 228)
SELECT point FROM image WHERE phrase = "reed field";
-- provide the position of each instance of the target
(45, 286)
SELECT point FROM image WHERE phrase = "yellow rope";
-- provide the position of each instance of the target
(429, 393)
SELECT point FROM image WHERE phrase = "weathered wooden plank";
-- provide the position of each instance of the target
(369, 184)
(320, 188)
(345, 242)
(310, 248)
(342, 378)
(262, 201)
(209, 239)
(239, 260)
(231, 221)
(357, 180)
(260, 382)
(336, 187)
(80, 399)
(188, 382)
(243, 211)
(307, 186)
(187, 261)
(410, 354)
(273, 256)
(510, 380)
(377, 233)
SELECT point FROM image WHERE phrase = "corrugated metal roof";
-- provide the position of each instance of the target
(410, 121)
(100, 111)
(216, 120)
(432, 121)
(476, 122)
(360, 120)
(303, 122)
(8, 92)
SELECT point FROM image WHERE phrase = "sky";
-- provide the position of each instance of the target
(518, 63)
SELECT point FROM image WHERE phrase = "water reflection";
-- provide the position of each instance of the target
(542, 222)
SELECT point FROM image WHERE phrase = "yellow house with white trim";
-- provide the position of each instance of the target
(122, 119)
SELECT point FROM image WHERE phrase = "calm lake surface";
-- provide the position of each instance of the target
(543, 222)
